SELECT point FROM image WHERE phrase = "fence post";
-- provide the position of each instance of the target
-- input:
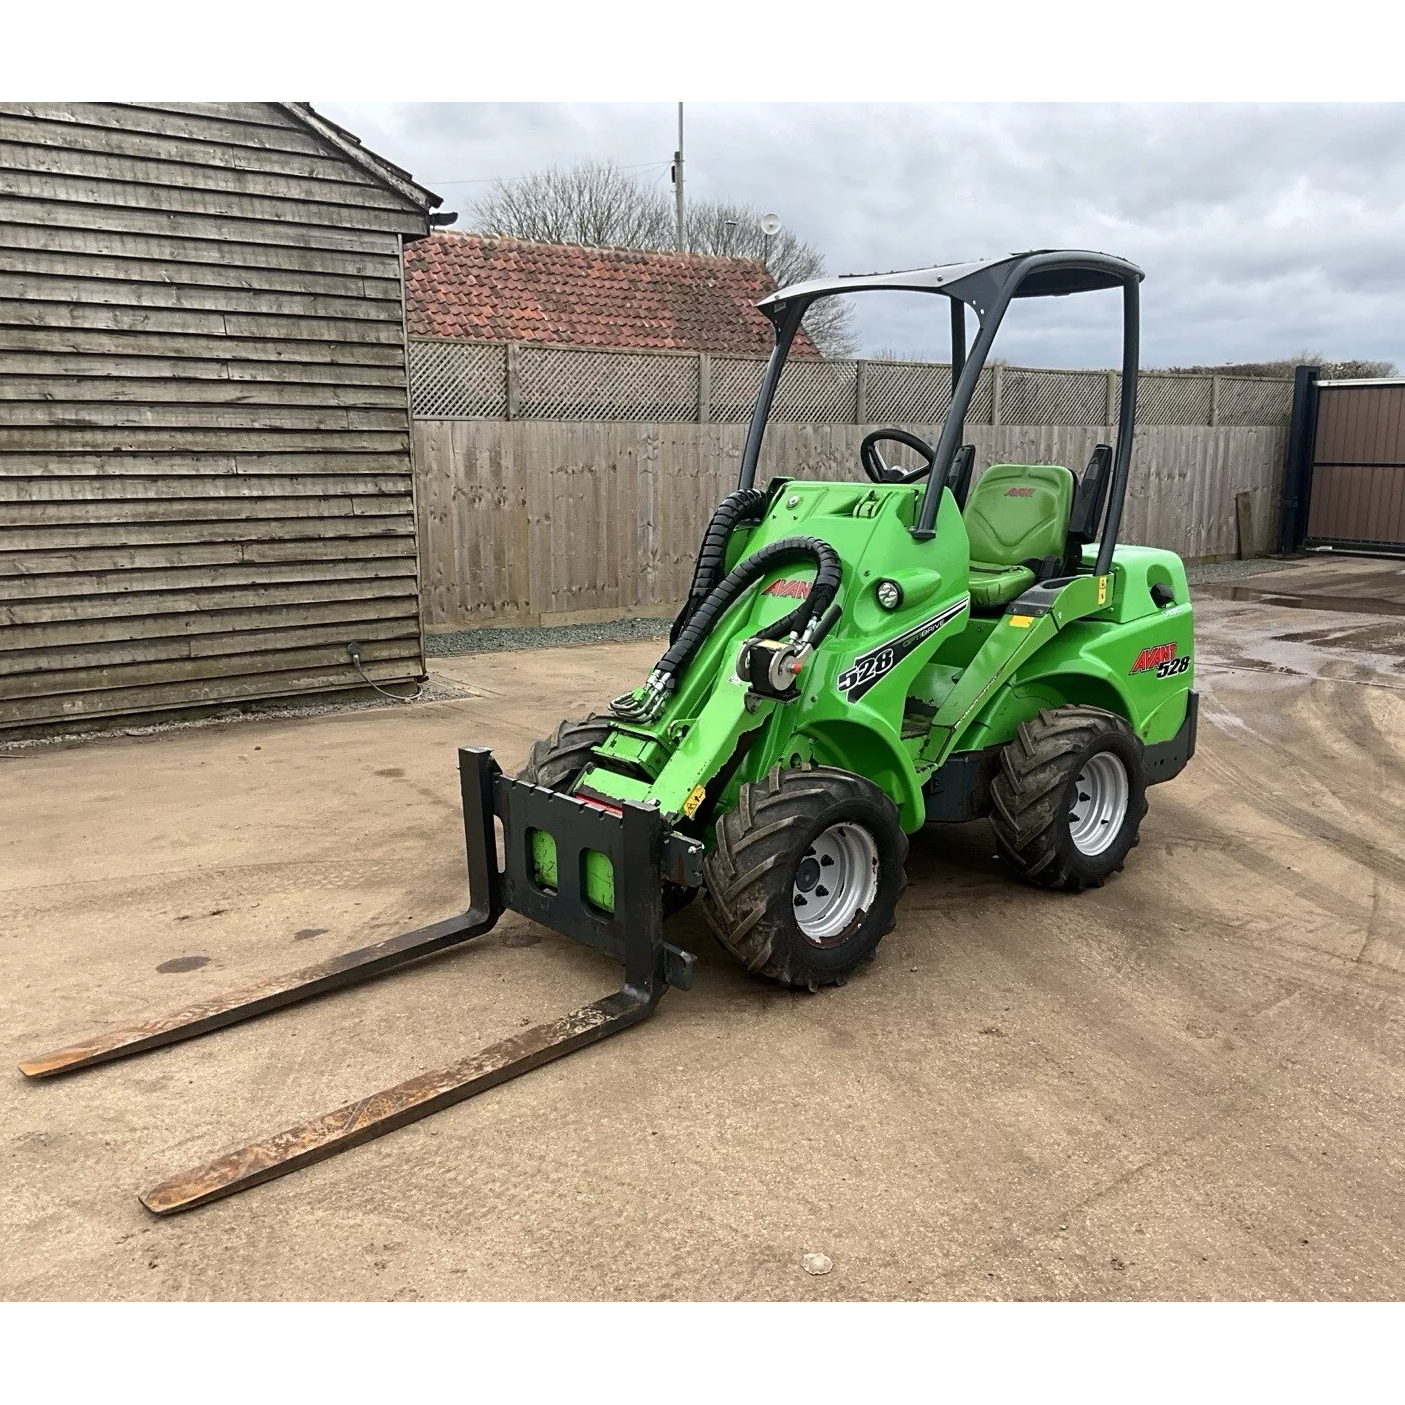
(704, 387)
(997, 389)
(1110, 418)
(1214, 400)
(512, 379)
(1297, 467)
(860, 392)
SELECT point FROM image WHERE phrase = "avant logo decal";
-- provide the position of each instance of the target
(1019, 492)
(1161, 658)
(869, 668)
(794, 590)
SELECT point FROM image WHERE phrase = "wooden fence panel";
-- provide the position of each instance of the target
(539, 521)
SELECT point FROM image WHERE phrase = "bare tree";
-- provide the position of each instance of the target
(722, 227)
(597, 204)
(921, 355)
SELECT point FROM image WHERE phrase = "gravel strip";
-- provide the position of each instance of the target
(1222, 570)
(493, 640)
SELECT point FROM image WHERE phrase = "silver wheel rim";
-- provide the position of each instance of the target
(835, 881)
(1100, 796)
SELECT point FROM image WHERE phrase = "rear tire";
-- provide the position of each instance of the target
(807, 870)
(1069, 798)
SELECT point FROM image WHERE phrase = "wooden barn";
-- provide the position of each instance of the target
(205, 483)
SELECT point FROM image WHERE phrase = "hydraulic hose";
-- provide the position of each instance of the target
(828, 574)
(745, 505)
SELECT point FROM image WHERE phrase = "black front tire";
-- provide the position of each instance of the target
(751, 874)
(557, 761)
(1034, 796)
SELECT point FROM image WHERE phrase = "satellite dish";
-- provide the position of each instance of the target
(770, 224)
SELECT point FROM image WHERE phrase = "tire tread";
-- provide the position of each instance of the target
(1025, 794)
(742, 898)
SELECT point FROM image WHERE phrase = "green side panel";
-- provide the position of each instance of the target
(1017, 511)
(1014, 640)
(1135, 569)
(1132, 658)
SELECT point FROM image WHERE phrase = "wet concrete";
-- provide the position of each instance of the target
(1341, 619)
(1339, 584)
(1188, 1084)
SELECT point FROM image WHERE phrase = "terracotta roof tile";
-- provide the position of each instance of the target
(493, 289)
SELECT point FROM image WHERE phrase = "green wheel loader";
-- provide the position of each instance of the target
(856, 662)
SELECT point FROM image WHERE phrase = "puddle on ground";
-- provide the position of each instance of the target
(183, 963)
(1348, 604)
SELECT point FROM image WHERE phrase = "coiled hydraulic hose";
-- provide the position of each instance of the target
(645, 704)
(745, 505)
(785, 552)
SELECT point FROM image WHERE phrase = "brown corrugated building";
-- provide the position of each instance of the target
(205, 487)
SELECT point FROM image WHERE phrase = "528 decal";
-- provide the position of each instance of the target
(1162, 660)
(864, 672)
(867, 669)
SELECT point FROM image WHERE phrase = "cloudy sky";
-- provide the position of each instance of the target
(1264, 230)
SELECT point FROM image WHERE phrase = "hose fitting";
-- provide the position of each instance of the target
(646, 702)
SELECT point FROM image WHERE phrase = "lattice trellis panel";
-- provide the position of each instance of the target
(1052, 397)
(466, 380)
(816, 392)
(736, 381)
(979, 413)
(919, 392)
(914, 392)
(559, 383)
(1174, 399)
(457, 380)
(1246, 401)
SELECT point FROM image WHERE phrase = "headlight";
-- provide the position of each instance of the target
(890, 594)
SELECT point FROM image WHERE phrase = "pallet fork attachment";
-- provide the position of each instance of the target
(642, 851)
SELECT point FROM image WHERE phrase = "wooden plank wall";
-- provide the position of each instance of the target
(205, 486)
(546, 522)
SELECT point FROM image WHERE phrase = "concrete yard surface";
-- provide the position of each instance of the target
(1187, 1084)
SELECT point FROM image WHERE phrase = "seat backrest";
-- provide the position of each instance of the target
(1089, 500)
(959, 480)
(1019, 511)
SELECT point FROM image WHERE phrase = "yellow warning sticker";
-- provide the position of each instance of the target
(1102, 590)
(1021, 621)
(694, 800)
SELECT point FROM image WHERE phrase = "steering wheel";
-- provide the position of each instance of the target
(879, 472)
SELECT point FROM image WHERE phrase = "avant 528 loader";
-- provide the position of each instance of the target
(854, 661)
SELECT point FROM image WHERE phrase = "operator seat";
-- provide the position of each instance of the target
(1016, 519)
